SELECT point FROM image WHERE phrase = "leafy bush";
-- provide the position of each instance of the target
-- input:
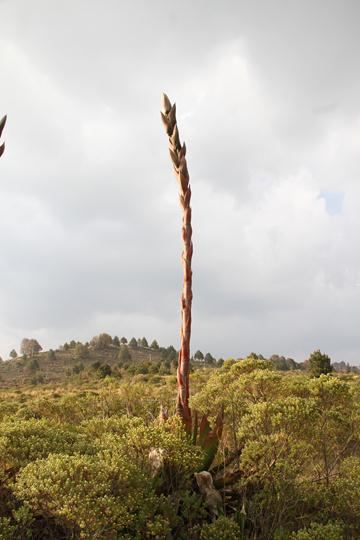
(18, 525)
(222, 529)
(347, 492)
(317, 531)
(92, 460)
(24, 441)
(91, 497)
(319, 363)
(105, 370)
(136, 439)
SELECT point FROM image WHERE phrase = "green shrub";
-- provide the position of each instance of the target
(181, 457)
(347, 491)
(317, 531)
(222, 529)
(24, 441)
(18, 526)
(94, 498)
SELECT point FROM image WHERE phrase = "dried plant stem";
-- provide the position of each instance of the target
(177, 155)
(2, 125)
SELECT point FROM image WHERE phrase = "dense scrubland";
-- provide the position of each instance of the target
(91, 457)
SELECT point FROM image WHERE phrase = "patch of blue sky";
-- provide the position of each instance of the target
(334, 201)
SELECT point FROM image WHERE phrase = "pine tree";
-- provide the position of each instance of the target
(319, 364)
(133, 342)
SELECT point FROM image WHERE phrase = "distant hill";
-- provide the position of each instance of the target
(105, 355)
(58, 365)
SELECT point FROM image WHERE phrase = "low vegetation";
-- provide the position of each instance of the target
(90, 458)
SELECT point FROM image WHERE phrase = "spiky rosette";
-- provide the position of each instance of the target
(177, 155)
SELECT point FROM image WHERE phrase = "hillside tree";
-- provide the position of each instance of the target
(319, 363)
(30, 346)
(154, 345)
(209, 359)
(102, 341)
(81, 351)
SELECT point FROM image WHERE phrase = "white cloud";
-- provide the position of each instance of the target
(90, 224)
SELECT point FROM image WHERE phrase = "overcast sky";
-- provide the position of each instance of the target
(268, 99)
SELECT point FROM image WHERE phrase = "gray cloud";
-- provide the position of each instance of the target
(267, 99)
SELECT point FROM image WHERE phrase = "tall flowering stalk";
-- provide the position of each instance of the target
(2, 125)
(177, 155)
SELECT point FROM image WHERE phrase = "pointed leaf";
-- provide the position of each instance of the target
(165, 103)
(195, 428)
(2, 124)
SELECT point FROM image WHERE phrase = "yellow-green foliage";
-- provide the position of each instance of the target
(293, 436)
(221, 529)
(317, 531)
(95, 479)
(94, 497)
(74, 462)
(347, 489)
(131, 399)
(24, 441)
(18, 525)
